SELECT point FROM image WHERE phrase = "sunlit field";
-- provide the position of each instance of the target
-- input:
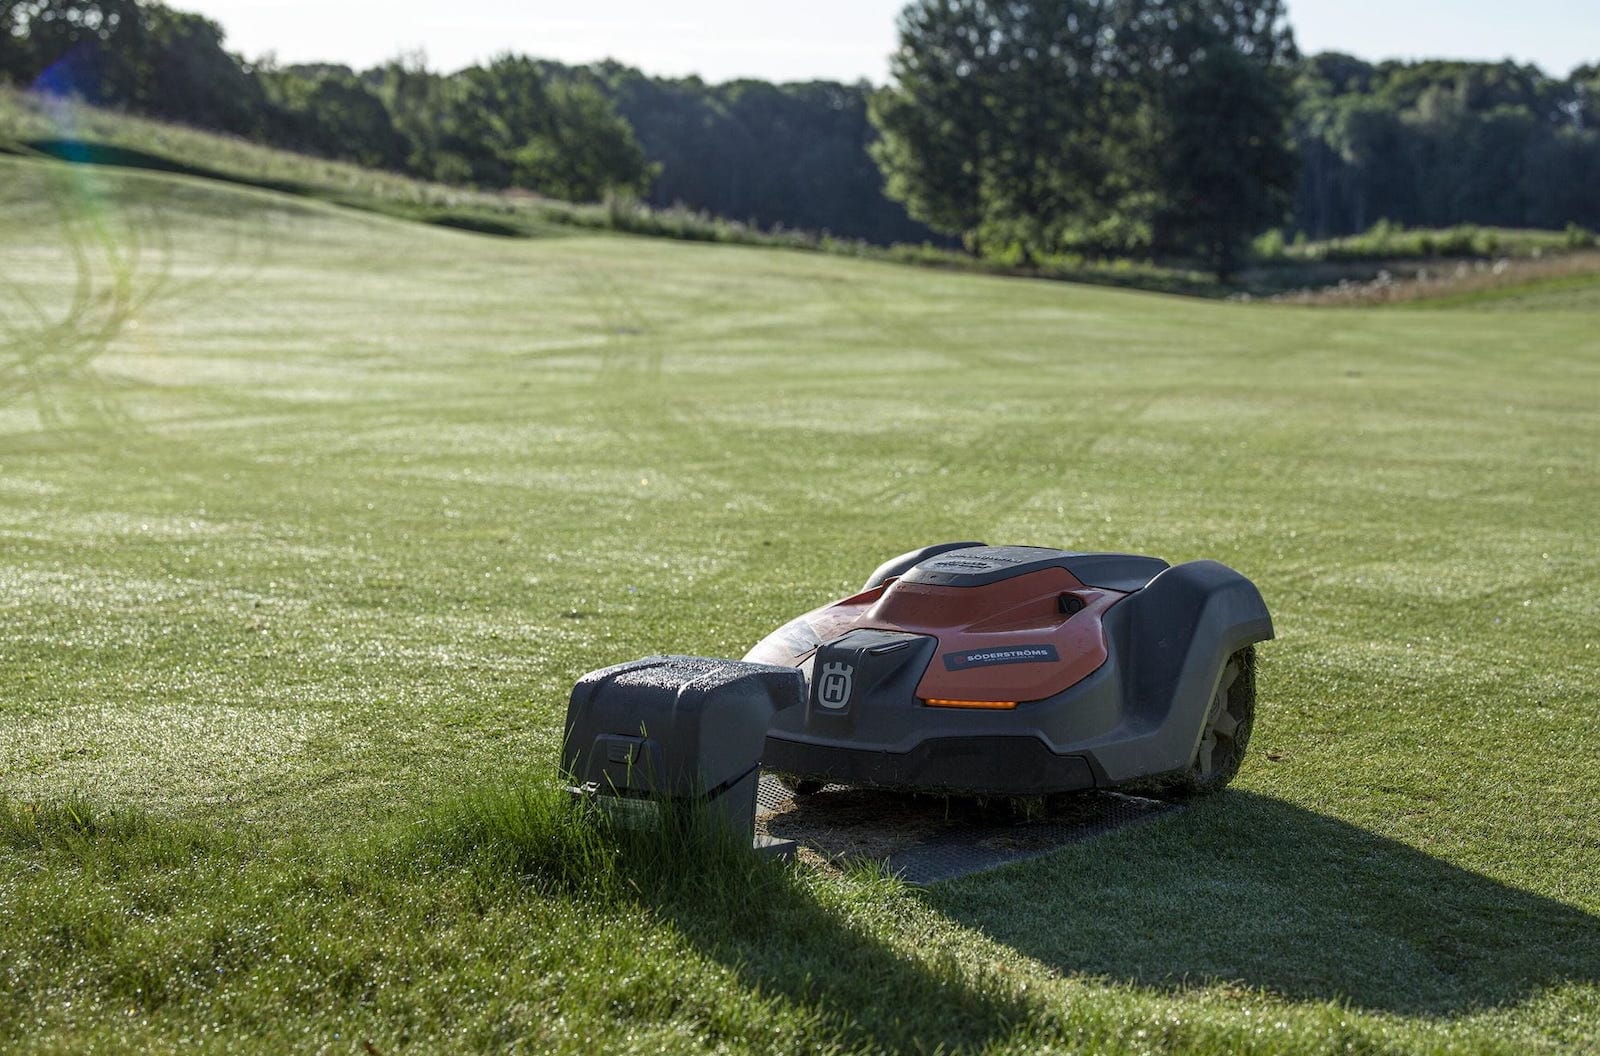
(309, 519)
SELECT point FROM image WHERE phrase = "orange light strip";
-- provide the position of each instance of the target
(987, 705)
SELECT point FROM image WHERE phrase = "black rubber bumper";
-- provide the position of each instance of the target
(1002, 765)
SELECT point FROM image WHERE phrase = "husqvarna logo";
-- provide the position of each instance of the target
(834, 689)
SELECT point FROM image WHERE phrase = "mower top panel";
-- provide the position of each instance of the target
(1010, 623)
(978, 566)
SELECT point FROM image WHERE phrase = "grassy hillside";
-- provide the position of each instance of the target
(312, 517)
(36, 125)
(41, 126)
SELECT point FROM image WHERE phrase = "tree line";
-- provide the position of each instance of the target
(1438, 143)
(1022, 130)
(508, 123)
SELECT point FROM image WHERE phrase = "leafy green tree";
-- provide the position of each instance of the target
(995, 124)
(328, 110)
(1585, 83)
(1100, 124)
(934, 121)
(82, 47)
(516, 125)
(1373, 141)
(414, 97)
(122, 53)
(1226, 168)
(1216, 80)
(584, 152)
(186, 74)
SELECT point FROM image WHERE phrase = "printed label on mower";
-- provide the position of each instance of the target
(1015, 654)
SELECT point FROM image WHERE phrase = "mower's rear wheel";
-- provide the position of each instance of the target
(1227, 730)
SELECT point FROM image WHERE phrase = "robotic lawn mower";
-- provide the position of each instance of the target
(961, 668)
(1020, 670)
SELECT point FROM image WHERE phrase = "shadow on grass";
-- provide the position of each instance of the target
(1252, 890)
(80, 153)
(478, 225)
(184, 918)
(784, 941)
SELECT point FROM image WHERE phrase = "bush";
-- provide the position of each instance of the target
(1270, 246)
(1458, 241)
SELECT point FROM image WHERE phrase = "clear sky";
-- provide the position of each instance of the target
(832, 39)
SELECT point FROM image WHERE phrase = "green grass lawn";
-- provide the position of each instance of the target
(310, 518)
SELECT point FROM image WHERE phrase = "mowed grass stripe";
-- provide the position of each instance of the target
(311, 519)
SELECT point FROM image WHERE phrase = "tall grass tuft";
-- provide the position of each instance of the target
(539, 835)
(88, 837)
